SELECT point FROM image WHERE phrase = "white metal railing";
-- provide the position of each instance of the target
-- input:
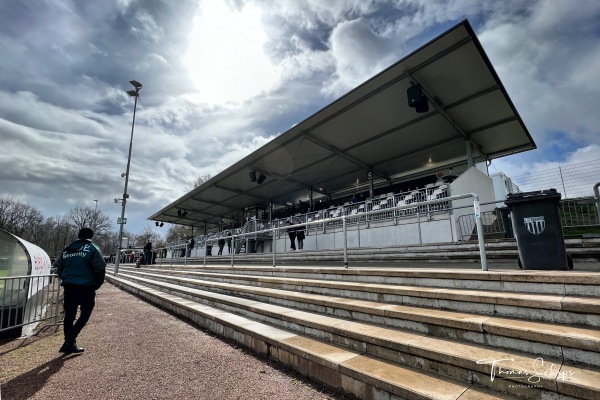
(28, 299)
(382, 207)
(275, 228)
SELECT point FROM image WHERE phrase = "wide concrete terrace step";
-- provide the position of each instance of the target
(355, 372)
(463, 361)
(574, 344)
(544, 307)
(576, 283)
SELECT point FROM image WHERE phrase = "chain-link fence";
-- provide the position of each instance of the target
(572, 181)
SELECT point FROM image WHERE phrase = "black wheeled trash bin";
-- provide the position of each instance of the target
(209, 249)
(538, 230)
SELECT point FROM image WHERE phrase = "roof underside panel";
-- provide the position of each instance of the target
(373, 128)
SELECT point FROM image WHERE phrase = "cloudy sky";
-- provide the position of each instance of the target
(223, 77)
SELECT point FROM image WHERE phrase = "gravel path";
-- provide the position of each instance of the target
(136, 351)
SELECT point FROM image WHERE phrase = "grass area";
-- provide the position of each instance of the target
(578, 231)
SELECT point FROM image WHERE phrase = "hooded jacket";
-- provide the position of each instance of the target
(81, 263)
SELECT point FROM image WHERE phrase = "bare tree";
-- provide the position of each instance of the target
(199, 180)
(87, 217)
(178, 232)
(149, 234)
(18, 217)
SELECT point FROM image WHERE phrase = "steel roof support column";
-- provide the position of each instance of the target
(470, 162)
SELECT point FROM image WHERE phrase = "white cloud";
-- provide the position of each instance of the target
(147, 27)
(546, 63)
(359, 53)
(226, 57)
(222, 78)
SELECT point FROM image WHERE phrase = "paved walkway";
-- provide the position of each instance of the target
(136, 351)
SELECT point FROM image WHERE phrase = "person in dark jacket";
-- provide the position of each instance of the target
(300, 235)
(228, 242)
(221, 243)
(148, 253)
(81, 269)
(292, 234)
(191, 245)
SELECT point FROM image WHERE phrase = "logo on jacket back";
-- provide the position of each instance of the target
(535, 225)
(80, 252)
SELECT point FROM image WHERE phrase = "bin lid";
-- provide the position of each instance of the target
(548, 194)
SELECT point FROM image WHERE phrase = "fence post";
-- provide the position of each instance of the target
(56, 283)
(482, 254)
(345, 241)
(419, 226)
(274, 247)
(597, 198)
(562, 181)
(233, 245)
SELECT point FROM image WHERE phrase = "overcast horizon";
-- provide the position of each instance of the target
(222, 78)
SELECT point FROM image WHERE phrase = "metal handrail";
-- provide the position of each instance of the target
(476, 205)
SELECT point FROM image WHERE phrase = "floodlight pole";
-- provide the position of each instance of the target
(133, 93)
(95, 215)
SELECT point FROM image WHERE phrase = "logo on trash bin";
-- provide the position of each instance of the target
(535, 225)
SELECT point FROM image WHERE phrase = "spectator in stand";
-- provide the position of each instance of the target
(229, 242)
(355, 198)
(191, 245)
(292, 234)
(148, 253)
(221, 243)
(300, 235)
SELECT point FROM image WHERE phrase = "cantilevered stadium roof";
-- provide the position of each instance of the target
(372, 128)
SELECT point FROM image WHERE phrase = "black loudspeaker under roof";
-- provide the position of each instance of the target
(417, 99)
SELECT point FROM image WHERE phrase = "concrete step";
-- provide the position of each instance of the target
(573, 344)
(564, 283)
(375, 357)
(539, 307)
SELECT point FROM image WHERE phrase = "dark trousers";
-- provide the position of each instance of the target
(220, 249)
(84, 297)
(292, 236)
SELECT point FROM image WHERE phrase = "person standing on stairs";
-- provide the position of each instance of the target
(148, 253)
(300, 235)
(221, 243)
(229, 242)
(292, 234)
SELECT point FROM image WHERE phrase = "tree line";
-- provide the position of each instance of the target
(54, 233)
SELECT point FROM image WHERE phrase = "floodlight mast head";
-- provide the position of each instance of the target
(136, 84)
